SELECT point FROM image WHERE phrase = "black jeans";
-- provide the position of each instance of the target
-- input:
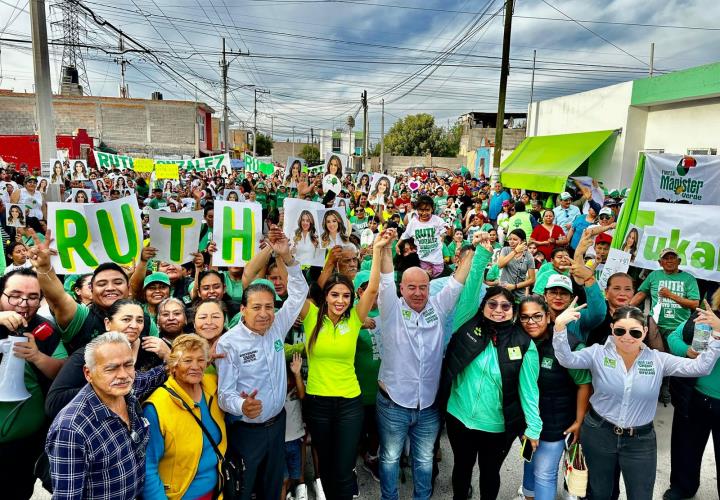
(689, 437)
(605, 451)
(469, 446)
(17, 465)
(335, 425)
(262, 448)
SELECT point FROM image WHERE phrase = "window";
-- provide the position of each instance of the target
(336, 144)
(654, 151)
(358, 146)
(702, 151)
(201, 127)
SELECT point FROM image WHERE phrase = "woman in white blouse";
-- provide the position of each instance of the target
(626, 377)
(305, 240)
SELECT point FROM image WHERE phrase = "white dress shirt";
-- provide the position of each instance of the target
(629, 398)
(412, 343)
(254, 361)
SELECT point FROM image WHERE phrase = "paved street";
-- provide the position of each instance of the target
(512, 471)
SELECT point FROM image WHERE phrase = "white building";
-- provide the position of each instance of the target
(338, 141)
(673, 113)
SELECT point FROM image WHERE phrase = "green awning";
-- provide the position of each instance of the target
(543, 163)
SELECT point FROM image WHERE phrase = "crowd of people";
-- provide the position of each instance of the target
(448, 302)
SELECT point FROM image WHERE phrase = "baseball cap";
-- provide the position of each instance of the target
(603, 238)
(594, 205)
(157, 278)
(361, 278)
(559, 281)
(565, 196)
(666, 251)
(606, 211)
(268, 283)
(31, 178)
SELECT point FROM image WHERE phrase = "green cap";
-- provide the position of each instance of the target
(266, 282)
(70, 281)
(361, 278)
(157, 278)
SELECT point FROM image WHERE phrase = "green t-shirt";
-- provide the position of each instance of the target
(233, 288)
(440, 204)
(19, 419)
(367, 360)
(157, 203)
(681, 283)
(332, 358)
(542, 276)
(358, 225)
(262, 198)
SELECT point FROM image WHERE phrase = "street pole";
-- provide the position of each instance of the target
(532, 92)
(382, 138)
(224, 64)
(272, 127)
(504, 71)
(652, 58)
(43, 88)
(363, 99)
(255, 124)
(293, 141)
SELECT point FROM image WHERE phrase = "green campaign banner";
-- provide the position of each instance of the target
(110, 161)
(176, 236)
(253, 164)
(86, 235)
(237, 231)
(217, 162)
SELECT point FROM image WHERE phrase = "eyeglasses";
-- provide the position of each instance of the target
(16, 300)
(535, 318)
(494, 304)
(605, 217)
(634, 333)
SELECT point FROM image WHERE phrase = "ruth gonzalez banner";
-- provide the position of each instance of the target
(86, 235)
(176, 236)
(237, 231)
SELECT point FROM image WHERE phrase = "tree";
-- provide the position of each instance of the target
(264, 145)
(417, 135)
(310, 153)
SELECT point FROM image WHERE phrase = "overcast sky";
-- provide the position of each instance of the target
(317, 56)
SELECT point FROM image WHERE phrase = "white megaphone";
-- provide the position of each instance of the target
(12, 372)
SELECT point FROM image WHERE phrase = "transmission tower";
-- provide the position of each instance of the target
(73, 70)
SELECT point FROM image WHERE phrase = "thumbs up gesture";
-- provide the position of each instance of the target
(251, 407)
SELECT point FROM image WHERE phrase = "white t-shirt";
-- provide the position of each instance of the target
(428, 238)
(32, 201)
(293, 421)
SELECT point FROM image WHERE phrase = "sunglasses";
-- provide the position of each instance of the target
(494, 304)
(634, 333)
(605, 217)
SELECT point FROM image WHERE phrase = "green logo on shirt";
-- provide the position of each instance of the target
(610, 363)
(278, 345)
(406, 314)
(546, 363)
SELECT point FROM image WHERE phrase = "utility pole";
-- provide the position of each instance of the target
(363, 99)
(255, 124)
(43, 89)
(124, 90)
(272, 126)
(293, 141)
(382, 138)
(532, 91)
(312, 135)
(225, 65)
(652, 58)
(504, 71)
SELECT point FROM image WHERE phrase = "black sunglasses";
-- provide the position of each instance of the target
(634, 333)
(494, 304)
(604, 216)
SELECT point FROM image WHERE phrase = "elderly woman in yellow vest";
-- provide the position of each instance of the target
(180, 461)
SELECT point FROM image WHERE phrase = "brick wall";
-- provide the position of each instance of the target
(398, 164)
(281, 150)
(17, 116)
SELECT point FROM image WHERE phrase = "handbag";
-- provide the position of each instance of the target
(232, 469)
(576, 471)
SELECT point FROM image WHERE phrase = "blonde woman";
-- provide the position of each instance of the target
(334, 230)
(181, 461)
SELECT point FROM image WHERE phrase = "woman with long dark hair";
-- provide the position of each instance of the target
(489, 381)
(334, 230)
(305, 241)
(631, 243)
(564, 396)
(333, 406)
(618, 430)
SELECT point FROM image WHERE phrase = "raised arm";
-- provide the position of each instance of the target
(504, 260)
(368, 298)
(567, 358)
(330, 265)
(297, 287)
(256, 265)
(138, 276)
(61, 304)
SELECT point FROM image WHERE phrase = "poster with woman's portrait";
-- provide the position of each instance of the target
(100, 185)
(335, 165)
(381, 187)
(78, 195)
(57, 171)
(302, 229)
(43, 184)
(362, 182)
(120, 183)
(334, 228)
(233, 195)
(342, 204)
(15, 216)
(79, 170)
(632, 240)
(293, 168)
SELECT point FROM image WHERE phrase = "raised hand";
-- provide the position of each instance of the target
(572, 313)
(156, 345)
(708, 317)
(40, 253)
(147, 253)
(296, 363)
(482, 238)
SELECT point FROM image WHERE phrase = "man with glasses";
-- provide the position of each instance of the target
(24, 424)
(96, 444)
(566, 212)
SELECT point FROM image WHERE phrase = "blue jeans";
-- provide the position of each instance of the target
(540, 476)
(395, 423)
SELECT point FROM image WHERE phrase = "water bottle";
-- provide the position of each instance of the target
(701, 337)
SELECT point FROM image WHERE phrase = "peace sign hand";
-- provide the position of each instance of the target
(572, 313)
(40, 253)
